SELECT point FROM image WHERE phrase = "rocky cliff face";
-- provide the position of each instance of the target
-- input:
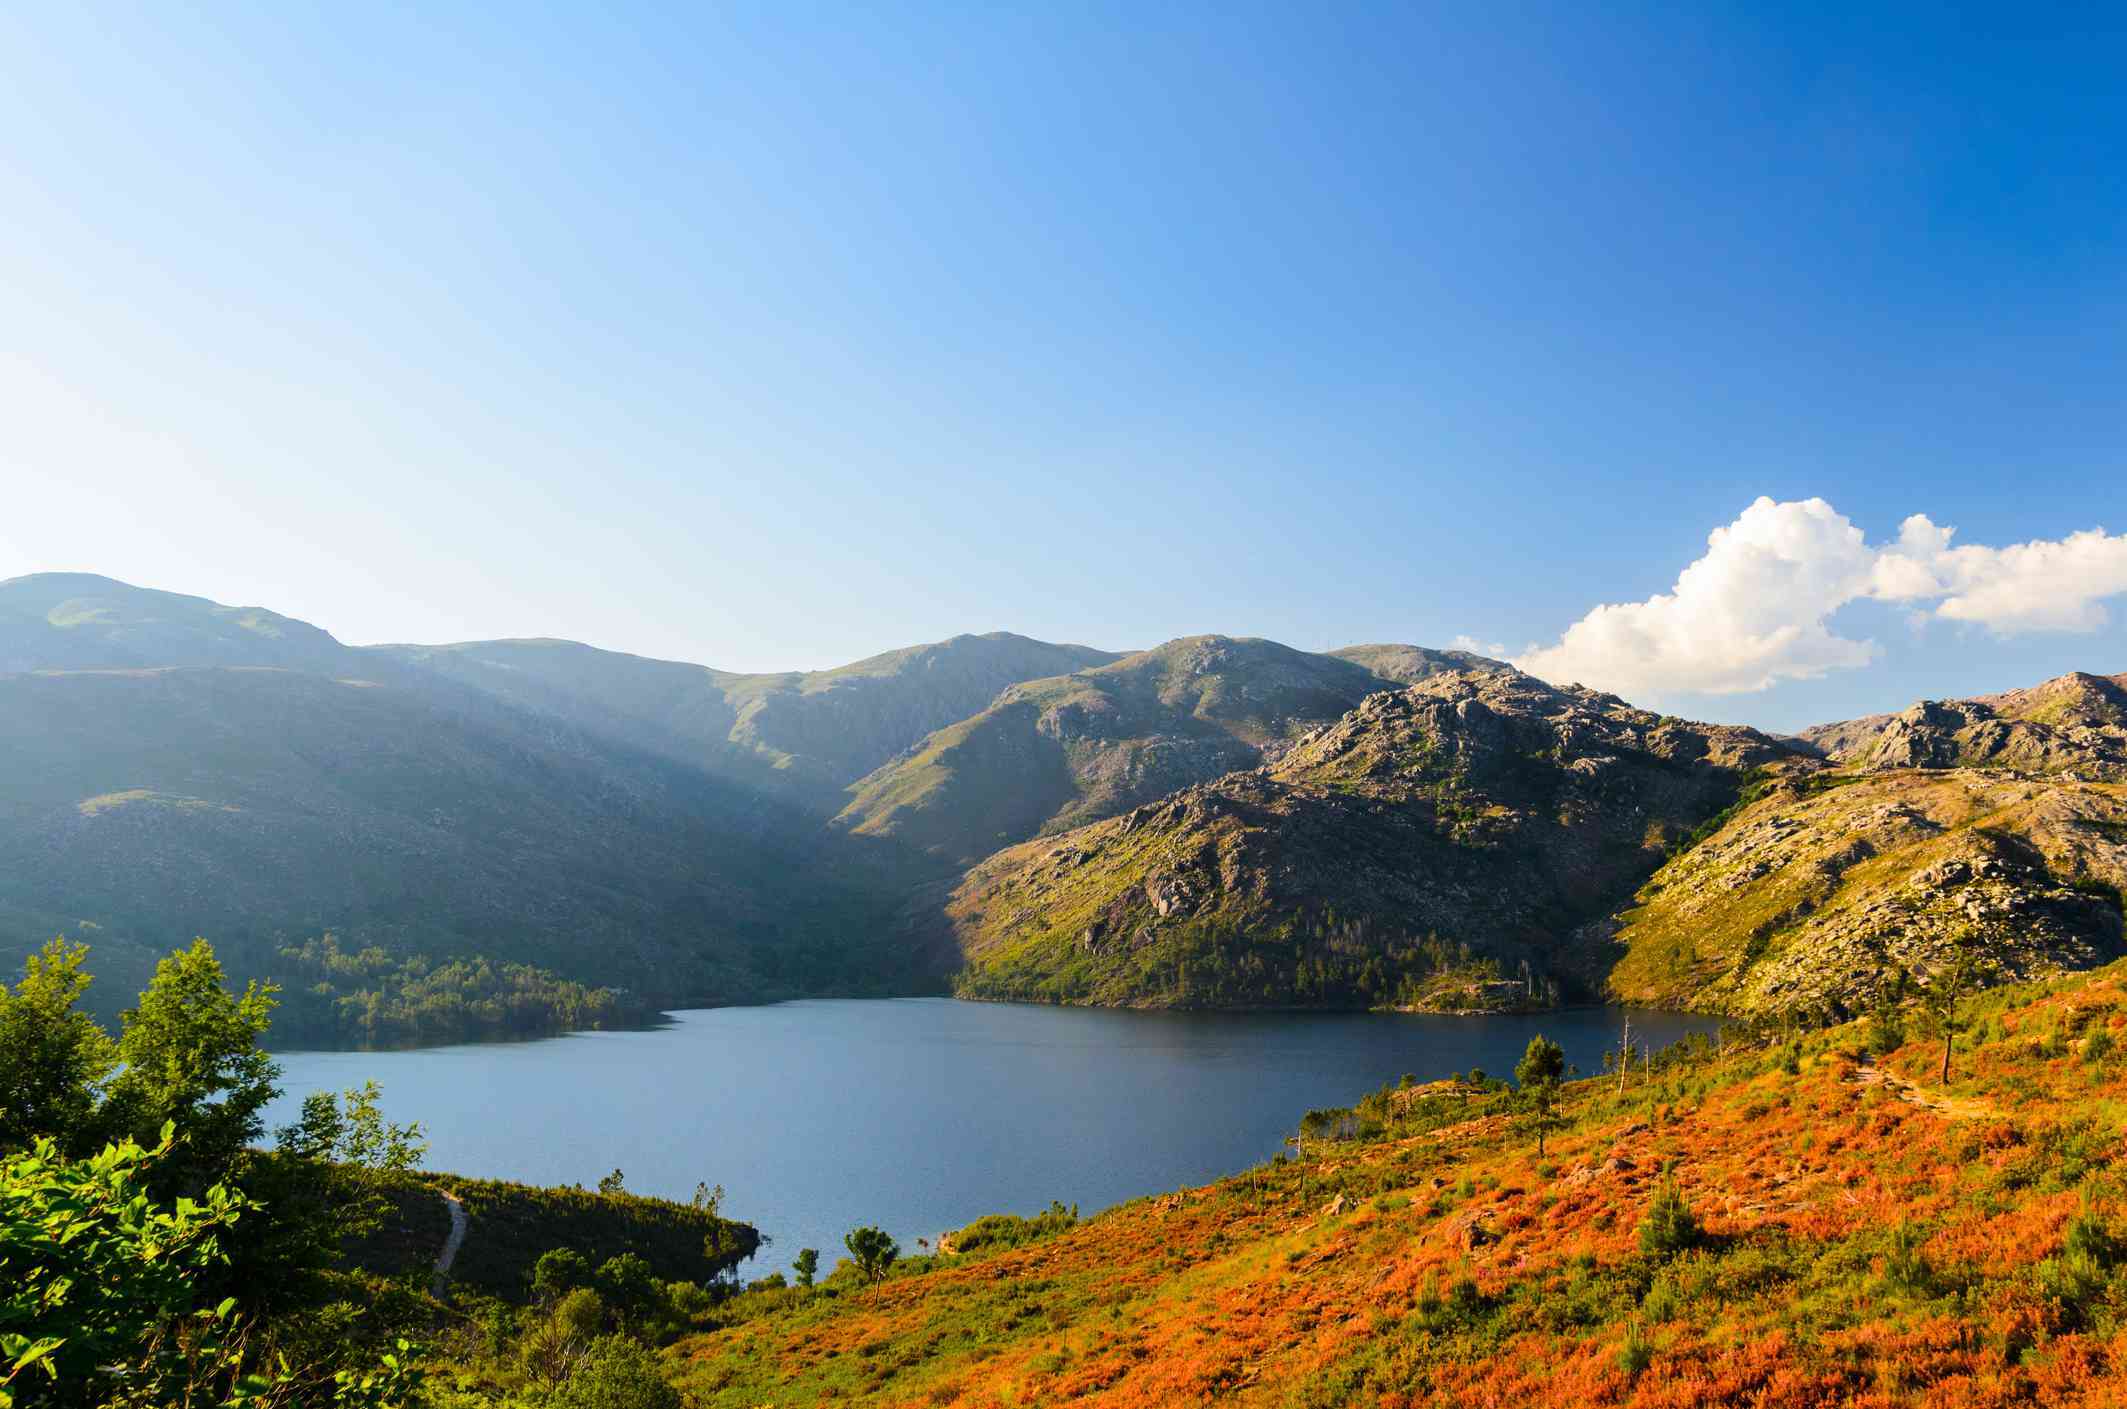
(1428, 842)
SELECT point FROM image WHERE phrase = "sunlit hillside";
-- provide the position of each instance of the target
(1771, 1220)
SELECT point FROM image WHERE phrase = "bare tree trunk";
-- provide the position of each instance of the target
(1624, 1056)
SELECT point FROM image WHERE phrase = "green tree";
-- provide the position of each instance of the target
(1541, 1068)
(191, 1059)
(350, 1129)
(616, 1373)
(53, 1059)
(806, 1265)
(872, 1250)
(1943, 1000)
(369, 1141)
(558, 1272)
(614, 1183)
(629, 1287)
(317, 1129)
(1669, 1225)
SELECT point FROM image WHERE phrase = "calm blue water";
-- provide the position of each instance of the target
(919, 1114)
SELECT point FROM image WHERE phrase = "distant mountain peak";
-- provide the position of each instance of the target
(2073, 722)
(77, 621)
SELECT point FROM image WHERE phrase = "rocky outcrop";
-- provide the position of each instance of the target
(1456, 832)
(1830, 883)
(2075, 724)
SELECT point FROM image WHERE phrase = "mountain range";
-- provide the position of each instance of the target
(1215, 821)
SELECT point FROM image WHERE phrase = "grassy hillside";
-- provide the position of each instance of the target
(67, 620)
(263, 807)
(801, 735)
(1786, 1224)
(1049, 755)
(1434, 847)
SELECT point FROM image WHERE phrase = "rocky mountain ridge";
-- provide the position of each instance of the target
(1429, 838)
(1219, 821)
(1996, 824)
(2074, 723)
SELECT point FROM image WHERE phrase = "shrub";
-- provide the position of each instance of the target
(1669, 1226)
(1009, 1230)
(1637, 1353)
(582, 1313)
(1904, 1265)
(102, 1291)
(617, 1374)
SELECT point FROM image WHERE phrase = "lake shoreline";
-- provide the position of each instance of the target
(920, 1114)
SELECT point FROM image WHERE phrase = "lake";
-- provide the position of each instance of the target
(920, 1114)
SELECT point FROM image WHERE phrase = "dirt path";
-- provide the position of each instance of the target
(1947, 1106)
(451, 1244)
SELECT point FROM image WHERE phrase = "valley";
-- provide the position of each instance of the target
(424, 843)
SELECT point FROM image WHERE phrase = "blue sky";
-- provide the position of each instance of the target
(773, 336)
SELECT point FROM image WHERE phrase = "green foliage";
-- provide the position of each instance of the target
(1755, 784)
(872, 1250)
(1009, 1230)
(1905, 1266)
(101, 1293)
(581, 1313)
(1944, 1000)
(806, 1265)
(1539, 1073)
(558, 1271)
(1886, 1018)
(1636, 1352)
(191, 1059)
(350, 1129)
(515, 1225)
(53, 1059)
(373, 998)
(629, 1286)
(616, 1373)
(1669, 1226)
(614, 1183)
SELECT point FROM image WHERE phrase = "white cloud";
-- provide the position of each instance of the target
(1496, 649)
(1756, 608)
(2039, 586)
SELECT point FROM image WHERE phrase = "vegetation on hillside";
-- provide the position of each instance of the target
(200, 1266)
(264, 807)
(332, 997)
(1775, 1218)
(804, 736)
(1436, 847)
